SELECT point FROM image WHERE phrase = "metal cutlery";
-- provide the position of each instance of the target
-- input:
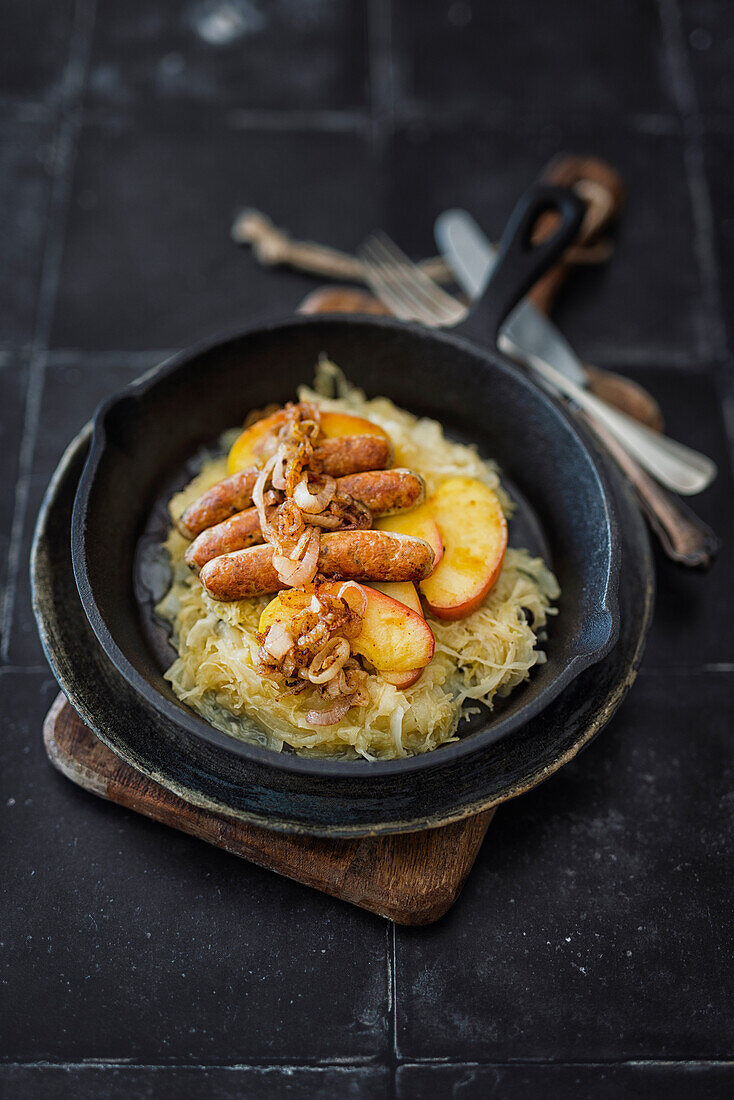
(528, 336)
(412, 295)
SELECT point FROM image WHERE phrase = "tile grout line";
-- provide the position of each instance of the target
(717, 668)
(66, 137)
(275, 121)
(357, 1062)
(713, 339)
(580, 1063)
(345, 1064)
(381, 69)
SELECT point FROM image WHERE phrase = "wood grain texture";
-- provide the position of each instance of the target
(411, 878)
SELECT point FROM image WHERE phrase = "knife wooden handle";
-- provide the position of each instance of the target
(342, 299)
(603, 190)
(684, 537)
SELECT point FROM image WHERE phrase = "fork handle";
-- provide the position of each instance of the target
(521, 260)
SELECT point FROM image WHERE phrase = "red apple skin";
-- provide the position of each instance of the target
(461, 610)
(403, 680)
(474, 532)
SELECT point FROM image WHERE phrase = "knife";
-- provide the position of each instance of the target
(528, 334)
(471, 257)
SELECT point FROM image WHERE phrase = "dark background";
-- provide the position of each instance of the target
(591, 951)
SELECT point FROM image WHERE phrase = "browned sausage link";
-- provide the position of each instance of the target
(236, 533)
(384, 492)
(344, 555)
(345, 455)
(374, 556)
(352, 454)
(228, 496)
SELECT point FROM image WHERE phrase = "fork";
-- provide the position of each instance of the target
(411, 295)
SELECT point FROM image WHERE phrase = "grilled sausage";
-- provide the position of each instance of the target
(353, 454)
(343, 555)
(346, 454)
(236, 533)
(384, 492)
(228, 496)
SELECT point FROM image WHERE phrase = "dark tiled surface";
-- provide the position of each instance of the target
(471, 1082)
(287, 54)
(272, 1083)
(34, 47)
(13, 378)
(97, 931)
(73, 386)
(647, 303)
(149, 262)
(26, 164)
(511, 61)
(597, 924)
(708, 26)
(693, 609)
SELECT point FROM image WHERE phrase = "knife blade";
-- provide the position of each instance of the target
(527, 331)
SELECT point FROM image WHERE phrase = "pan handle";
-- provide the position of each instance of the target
(520, 260)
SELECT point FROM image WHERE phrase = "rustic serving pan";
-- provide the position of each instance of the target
(142, 443)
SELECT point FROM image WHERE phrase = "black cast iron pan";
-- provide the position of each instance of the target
(144, 437)
(199, 773)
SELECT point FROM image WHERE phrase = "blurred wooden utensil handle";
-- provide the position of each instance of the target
(685, 538)
(603, 190)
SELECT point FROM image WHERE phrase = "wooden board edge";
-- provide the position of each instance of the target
(393, 876)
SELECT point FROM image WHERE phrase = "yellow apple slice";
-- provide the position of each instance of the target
(474, 534)
(392, 637)
(419, 522)
(244, 451)
(404, 592)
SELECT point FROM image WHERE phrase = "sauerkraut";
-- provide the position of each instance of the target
(477, 658)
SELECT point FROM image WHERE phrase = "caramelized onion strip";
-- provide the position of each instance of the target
(313, 503)
(329, 661)
(331, 715)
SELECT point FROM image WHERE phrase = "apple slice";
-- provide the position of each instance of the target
(392, 638)
(474, 534)
(419, 522)
(333, 424)
(404, 592)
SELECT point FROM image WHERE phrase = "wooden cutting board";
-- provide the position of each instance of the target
(412, 878)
